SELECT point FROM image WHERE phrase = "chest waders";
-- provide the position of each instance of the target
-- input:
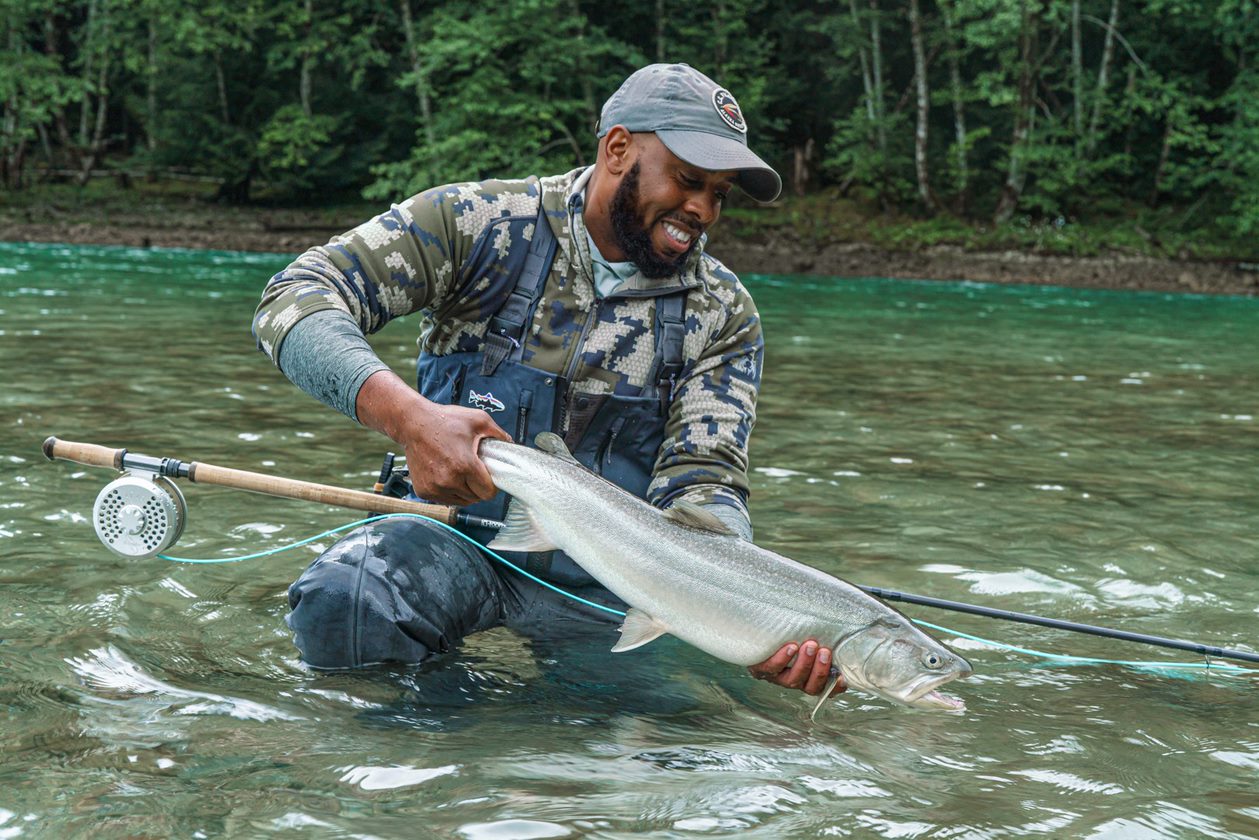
(401, 590)
(616, 435)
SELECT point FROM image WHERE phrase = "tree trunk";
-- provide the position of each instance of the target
(308, 60)
(660, 19)
(924, 102)
(45, 143)
(1108, 53)
(220, 78)
(721, 40)
(150, 130)
(421, 78)
(1130, 92)
(586, 76)
(876, 52)
(959, 111)
(1077, 71)
(800, 172)
(92, 147)
(52, 49)
(866, 80)
(88, 51)
(1163, 154)
(1024, 114)
(10, 175)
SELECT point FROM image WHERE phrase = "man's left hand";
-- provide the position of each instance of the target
(809, 671)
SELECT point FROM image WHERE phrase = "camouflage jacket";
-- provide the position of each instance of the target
(412, 259)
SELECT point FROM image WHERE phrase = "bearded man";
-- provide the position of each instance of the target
(581, 304)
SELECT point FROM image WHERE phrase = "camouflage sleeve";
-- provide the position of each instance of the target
(704, 457)
(399, 262)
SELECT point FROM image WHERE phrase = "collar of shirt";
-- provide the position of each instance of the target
(612, 278)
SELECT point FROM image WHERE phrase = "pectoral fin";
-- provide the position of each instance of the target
(637, 630)
(826, 692)
(694, 516)
(521, 531)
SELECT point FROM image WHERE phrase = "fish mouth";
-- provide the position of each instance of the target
(923, 694)
(939, 700)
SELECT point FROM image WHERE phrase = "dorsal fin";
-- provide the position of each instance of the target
(553, 444)
(694, 516)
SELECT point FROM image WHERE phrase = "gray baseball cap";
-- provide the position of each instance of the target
(697, 119)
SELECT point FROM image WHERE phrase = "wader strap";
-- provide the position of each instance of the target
(671, 330)
(507, 327)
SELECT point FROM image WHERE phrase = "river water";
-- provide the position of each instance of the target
(1087, 455)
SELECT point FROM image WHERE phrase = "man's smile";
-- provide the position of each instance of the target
(678, 236)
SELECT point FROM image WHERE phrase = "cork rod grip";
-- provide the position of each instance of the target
(289, 488)
(90, 454)
(94, 455)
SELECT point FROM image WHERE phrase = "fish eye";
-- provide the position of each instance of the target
(933, 660)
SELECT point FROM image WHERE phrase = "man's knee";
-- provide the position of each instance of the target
(395, 591)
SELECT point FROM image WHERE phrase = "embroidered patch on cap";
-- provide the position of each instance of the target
(729, 111)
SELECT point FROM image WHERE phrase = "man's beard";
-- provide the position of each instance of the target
(633, 239)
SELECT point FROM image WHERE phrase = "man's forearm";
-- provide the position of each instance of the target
(326, 355)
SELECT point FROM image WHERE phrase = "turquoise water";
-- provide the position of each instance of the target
(1087, 455)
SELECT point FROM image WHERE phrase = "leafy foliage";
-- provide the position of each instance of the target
(1043, 103)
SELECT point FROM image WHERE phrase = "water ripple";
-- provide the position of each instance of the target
(1070, 782)
(108, 670)
(392, 777)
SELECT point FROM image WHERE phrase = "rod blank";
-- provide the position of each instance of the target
(1059, 624)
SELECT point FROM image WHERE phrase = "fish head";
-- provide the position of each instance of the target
(897, 661)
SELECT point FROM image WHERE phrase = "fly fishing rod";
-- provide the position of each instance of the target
(1060, 624)
(142, 513)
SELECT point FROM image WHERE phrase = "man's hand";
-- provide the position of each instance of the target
(440, 441)
(809, 671)
(441, 446)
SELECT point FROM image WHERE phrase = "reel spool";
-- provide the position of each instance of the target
(139, 515)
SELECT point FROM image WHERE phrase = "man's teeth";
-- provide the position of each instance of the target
(677, 233)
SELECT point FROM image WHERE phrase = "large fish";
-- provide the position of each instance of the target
(683, 572)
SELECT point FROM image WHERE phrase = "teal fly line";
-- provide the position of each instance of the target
(371, 519)
(1062, 658)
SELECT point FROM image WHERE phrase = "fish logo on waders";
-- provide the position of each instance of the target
(485, 402)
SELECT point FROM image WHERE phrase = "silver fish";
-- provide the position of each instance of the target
(683, 572)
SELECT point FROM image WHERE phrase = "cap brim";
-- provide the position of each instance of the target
(723, 154)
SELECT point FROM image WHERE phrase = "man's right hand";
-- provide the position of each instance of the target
(440, 441)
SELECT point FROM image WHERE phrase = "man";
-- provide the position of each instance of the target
(581, 304)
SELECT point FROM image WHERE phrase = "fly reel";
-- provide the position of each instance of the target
(139, 514)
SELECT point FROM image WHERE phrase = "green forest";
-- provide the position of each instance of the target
(977, 110)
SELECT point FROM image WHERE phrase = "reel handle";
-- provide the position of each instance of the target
(89, 454)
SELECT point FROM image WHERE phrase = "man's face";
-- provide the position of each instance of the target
(662, 206)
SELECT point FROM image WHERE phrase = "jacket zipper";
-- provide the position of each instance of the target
(573, 363)
(605, 459)
(522, 417)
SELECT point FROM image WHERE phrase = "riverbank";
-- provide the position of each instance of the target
(835, 241)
